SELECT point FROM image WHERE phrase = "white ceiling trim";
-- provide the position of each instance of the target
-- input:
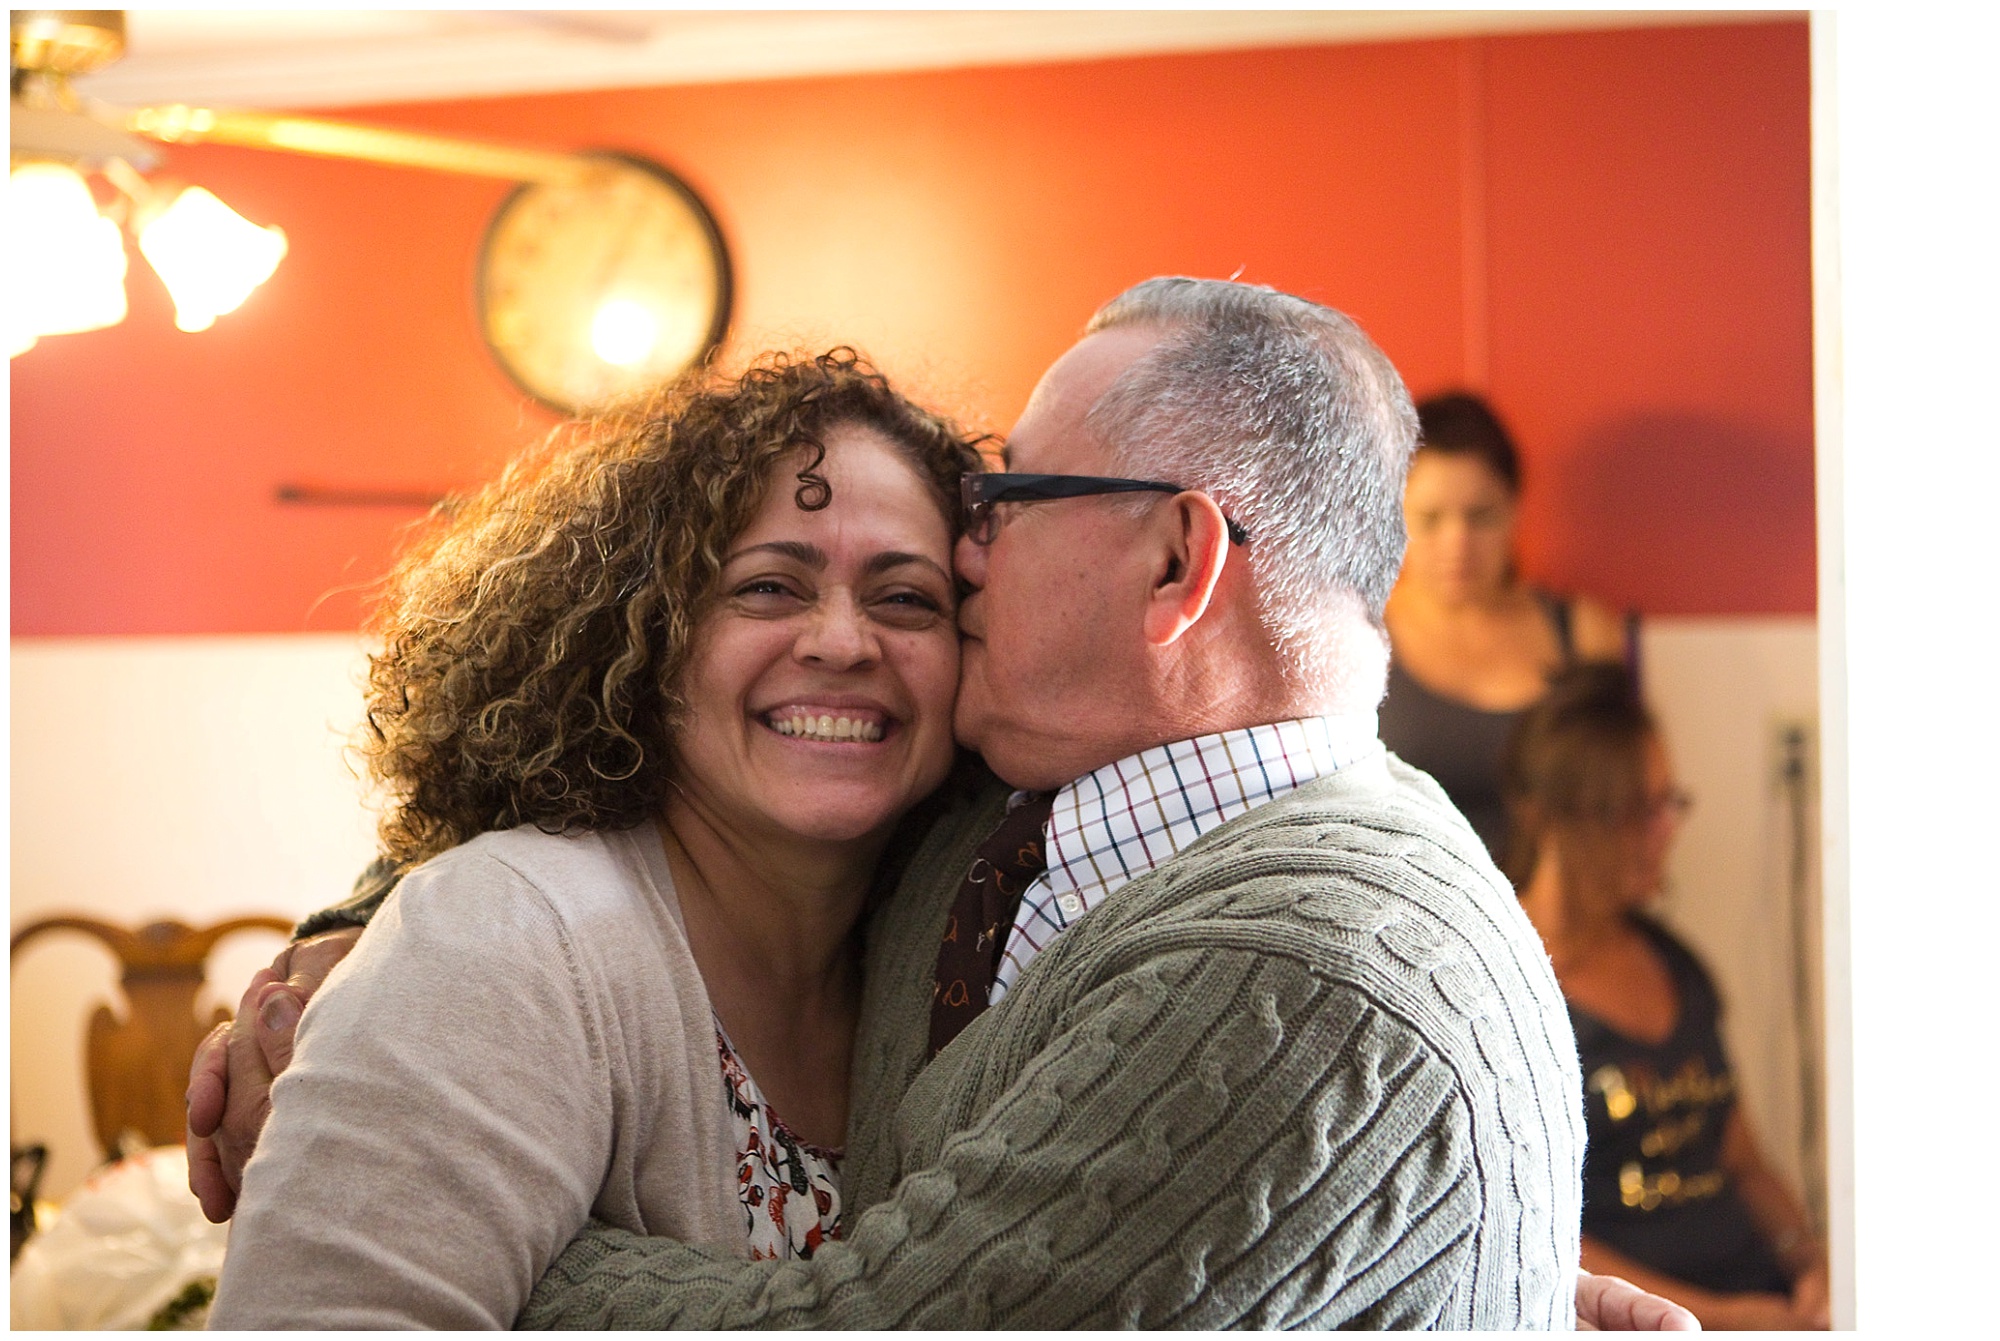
(273, 58)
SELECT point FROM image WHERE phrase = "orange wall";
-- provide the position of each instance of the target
(1606, 230)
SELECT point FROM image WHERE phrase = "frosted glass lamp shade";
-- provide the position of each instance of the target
(66, 262)
(210, 257)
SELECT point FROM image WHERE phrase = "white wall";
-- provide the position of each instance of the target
(185, 778)
(1721, 688)
(1908, 280)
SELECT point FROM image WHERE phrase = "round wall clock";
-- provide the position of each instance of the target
(593, 288)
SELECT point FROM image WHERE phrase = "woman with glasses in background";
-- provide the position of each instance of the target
(1677, 1197)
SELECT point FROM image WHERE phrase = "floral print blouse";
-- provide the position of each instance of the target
(790, 1190)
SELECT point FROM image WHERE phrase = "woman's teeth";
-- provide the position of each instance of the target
(827, 727)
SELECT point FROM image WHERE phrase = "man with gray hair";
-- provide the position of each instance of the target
(1269, 1042)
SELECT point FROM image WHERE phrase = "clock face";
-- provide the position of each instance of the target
(597, 287)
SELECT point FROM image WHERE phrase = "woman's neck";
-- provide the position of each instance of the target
(780, 914)
(1573, 929)
(772, 922)
(1427, 603)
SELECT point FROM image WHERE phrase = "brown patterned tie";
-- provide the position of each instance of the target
(982, 916)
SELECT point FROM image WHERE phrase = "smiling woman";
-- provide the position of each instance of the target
(647, 710)
(536, 644)
(812, 689)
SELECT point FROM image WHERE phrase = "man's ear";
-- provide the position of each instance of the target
(1193, 546)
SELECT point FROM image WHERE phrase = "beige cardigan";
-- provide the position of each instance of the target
(520, 1044)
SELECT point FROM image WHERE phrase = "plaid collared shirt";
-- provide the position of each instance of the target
(1118, 823)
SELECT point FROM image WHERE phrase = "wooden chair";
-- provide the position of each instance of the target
(137, 1069)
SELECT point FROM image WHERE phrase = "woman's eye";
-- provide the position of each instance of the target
(767, 591)
(908, 609)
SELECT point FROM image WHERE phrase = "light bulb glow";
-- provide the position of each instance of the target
(624, 332)
(66, 261)
(210, 257)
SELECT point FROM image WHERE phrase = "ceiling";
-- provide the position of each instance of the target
(331, 58)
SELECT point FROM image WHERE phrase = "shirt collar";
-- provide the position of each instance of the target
(1120, 821)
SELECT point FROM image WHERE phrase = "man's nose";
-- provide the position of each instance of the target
(839, 635)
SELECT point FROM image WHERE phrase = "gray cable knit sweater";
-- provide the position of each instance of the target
(1313, 1071)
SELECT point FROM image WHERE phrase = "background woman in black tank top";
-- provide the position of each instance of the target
(1677, 1197)
(1474, 645)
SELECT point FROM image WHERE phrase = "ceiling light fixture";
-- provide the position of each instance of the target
(66, 262)
(209, 256)
(67, 256)
(602, 274)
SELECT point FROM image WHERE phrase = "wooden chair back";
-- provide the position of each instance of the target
(137, 1067)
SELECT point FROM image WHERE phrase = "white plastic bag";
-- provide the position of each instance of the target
(126, 1244)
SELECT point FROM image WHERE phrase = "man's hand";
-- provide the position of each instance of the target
(229, 1085)
(1609, 1304)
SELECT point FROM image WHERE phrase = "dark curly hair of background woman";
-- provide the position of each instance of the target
(534, 638)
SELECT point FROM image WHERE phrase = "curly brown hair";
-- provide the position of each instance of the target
(534, 638)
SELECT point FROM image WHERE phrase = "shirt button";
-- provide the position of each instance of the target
(1071, 904)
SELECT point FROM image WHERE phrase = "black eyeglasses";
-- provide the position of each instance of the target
(980, 491)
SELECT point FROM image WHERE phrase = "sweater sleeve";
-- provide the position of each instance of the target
(1212, 1138)
(371, 887)
(445, 1125)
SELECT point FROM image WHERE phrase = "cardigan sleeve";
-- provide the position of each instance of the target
(444, 1127)
(1212, 1138)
